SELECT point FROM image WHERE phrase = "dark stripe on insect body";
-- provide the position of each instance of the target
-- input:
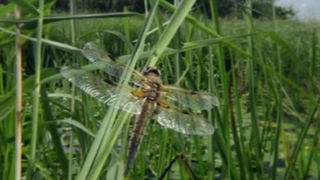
(140, 125)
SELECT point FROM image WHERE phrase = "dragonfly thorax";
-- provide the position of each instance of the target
(151, 94)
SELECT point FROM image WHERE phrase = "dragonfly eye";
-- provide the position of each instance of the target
(152, 70)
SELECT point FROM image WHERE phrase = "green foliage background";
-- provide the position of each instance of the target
(263, 70)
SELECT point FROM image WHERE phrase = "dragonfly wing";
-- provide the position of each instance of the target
(104, 92)
(101, 59)
(126, 102)
(192, 99)
(183, 122)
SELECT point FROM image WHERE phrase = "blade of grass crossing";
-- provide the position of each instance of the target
(255, 135)
(314, 58)
(104, 127)
(163, 152)
(314, 150)
(313, 75)
(201, 169)
(127, 32)
(202, 27)
(276, 142)
(18, 98)
(225, 126)
(214, 14)
(73, 37)
(174, 23)
(1, 81)
(36, 93)
(158, 19)
(211, 147)
(105, 141)
(125, 132)
(54, 131)
(141, 40)
(235, 127)
(300, 140)
(275, 149)
(70, 163)
(177, 57)
(220, 54)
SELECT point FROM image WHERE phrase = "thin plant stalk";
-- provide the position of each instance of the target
(301, 138)
(313, 58)
(237, 136)
(275, 153)
(73, 37)
(36, 93)
(18, 97)
(225, 128)
(202, 27)
(175, 22)
(255, 134)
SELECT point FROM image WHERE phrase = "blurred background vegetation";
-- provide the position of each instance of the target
(257, 58)
(227, 8)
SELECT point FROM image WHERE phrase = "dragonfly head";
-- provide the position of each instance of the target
(151, 70)
(153, 76)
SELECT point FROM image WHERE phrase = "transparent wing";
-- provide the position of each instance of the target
(183, 122)
(192, 99)
(100, 58)
(105, 93)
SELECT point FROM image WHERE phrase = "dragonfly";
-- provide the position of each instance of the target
(145, 96)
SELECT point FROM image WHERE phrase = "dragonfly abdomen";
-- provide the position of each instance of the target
(140, 125)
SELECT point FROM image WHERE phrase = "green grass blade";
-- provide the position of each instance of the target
(36, 95)
(174, 23)
(313, 59)
(202, 27)
(106, 138)
(299, 142)
(53, 129)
